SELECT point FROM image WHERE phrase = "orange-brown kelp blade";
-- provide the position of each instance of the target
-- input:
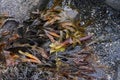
(32, 58)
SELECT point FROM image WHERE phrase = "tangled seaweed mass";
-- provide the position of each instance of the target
(48, 41)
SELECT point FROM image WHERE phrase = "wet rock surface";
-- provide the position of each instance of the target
(106, 29)
(20, 9)
(114, 4)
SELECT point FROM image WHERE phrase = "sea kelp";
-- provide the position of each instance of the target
(12, 53)
(63, 28)
(48, 41)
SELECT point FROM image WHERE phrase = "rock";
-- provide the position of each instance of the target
(114, 4)
(107, 25)
(118, 72)
(20, 9)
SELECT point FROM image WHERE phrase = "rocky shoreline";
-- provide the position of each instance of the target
(106, 26)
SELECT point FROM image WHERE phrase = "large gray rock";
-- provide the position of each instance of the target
(20, 9)
(114, 4)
